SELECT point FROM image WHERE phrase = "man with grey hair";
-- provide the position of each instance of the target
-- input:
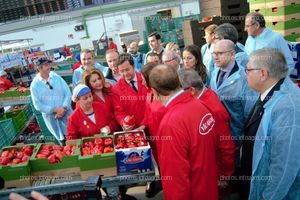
(229, 32)
(193, 140)
(261, 37)
(229, 82)
(190, 80)
(171, 58)
(275, 121)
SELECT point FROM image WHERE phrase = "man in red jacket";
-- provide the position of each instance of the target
(190, 80)
(129, 94)
(5, 84)
(188, 142)
(112, 45)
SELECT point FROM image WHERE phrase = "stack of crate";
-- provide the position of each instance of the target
(11, 10)
(230, 11)
(282, 16)
(170, 29)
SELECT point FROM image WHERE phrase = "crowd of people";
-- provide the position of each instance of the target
(224, 116)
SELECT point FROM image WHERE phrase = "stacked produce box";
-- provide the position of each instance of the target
(282, 16)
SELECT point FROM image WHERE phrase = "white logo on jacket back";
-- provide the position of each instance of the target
(207, 123)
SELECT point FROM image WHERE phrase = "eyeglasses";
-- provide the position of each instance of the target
(220, 53)
(167, 61)
(50, 86)
(251, 69)
(249, 25)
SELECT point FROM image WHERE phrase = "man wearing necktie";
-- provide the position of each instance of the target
(129, 94)
(271, 151)
(230, 84)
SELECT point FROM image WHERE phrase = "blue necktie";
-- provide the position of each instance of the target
(221, 77)
(133, 86)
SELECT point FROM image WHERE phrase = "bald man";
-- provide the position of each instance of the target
(138, 57)
(187, 140)
(230, 83)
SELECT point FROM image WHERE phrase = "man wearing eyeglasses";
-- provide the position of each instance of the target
(52, 97)
(274, 125)
(172, 59)
(261, 37)
(229, 82)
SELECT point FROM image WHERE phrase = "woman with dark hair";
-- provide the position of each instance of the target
(192, 59)
(101, 91)
(153, 115)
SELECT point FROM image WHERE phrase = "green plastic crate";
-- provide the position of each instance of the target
(8, 131)
(64, 67)
(166, 25)
(15, 172)
(292, 38)
(96, 161)
(3, 139)
(277, 11)
(42, 164)
(68, 79)
(284, 25)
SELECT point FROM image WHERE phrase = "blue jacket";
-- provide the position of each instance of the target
(270, 39)
(237, 98)
(208, 60)
(77, 75)
(45, 100)
(276, 154)
(139, 60)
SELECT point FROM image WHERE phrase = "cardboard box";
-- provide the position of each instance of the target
(97, 164)
(259, 4)
(41, 166)
(285, 25)
(16, 175)
(133, 160)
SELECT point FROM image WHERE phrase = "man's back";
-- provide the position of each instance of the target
(187, 150)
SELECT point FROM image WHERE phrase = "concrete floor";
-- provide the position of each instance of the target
(139, 193)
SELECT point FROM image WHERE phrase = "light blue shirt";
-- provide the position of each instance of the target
(139, 60)
(208, 60)
(276, 153)
(77, 75)
(45, 100)
(270, 39)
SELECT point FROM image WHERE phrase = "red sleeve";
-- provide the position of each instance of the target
(71, 128)
(113, 125)
(175, 172)
(226, 151)
(9, 83)
(120, 113)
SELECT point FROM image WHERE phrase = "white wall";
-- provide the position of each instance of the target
(190, 8)
(55, 36)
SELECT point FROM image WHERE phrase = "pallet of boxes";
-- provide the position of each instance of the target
(282, 16)
(122, 153)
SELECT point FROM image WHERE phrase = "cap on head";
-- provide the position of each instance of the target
(42, 61)
(79, 91)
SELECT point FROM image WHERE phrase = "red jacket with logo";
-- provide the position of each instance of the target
(188, 148)
(80, 125)
(226, 147)
(128, 102)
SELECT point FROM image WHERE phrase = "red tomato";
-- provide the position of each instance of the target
(129, 120)
(51, 159)
(20, 155)
(41, 156)
(108, 149)
(99, 141)
(16, 161)
(142, 143)
(108, 142)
